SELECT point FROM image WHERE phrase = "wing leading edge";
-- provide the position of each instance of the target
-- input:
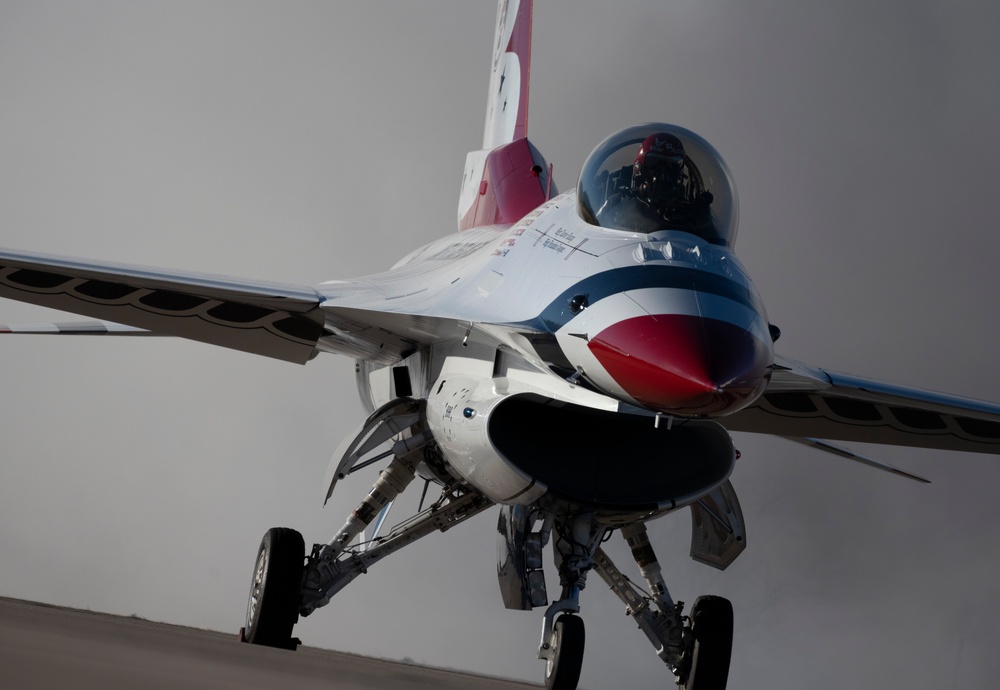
(287, 322)
(804, 402)
(271, 319)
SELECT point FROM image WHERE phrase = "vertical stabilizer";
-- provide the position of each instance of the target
(507, 106)
(507, 178)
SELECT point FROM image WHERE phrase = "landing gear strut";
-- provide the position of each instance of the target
(288, 583)
(696, 648)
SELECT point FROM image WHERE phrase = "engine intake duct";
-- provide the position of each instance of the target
(611, 461)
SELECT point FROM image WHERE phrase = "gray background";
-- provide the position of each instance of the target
(303, 141)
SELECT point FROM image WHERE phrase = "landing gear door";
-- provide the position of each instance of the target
(718, 534)
(519, 560)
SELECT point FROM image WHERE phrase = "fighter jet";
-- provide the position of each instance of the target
(578, 359)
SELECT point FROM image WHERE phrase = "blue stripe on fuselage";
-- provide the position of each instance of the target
(601, 285)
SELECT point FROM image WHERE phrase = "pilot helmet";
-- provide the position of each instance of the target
(657, 171)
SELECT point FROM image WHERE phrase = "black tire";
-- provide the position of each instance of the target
(276, 589)
(712, 627)
(562, 671)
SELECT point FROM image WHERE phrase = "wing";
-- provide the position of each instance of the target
(75, 328)
(280, 321)
(289, 322)
(804, 402)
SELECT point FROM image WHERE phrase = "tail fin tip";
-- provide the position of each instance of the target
(507, 104)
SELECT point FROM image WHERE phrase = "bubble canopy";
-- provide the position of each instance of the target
(655, 177)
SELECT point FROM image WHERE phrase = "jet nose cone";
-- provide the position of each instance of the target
(684, 365)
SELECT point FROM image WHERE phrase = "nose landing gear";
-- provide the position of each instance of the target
(563, 635)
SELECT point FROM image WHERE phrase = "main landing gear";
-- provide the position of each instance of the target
(273, 604)
(288, 583)
(712, 629)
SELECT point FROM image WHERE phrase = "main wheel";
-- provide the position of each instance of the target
(276, 589)
(712, 627)
(562, 669)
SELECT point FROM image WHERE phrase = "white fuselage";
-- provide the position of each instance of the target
(532, 309)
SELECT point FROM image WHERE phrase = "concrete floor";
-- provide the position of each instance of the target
(44, 646)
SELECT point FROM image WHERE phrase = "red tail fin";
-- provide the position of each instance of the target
(507, 105)
(508, 178)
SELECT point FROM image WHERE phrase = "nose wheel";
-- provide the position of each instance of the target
(562, 667)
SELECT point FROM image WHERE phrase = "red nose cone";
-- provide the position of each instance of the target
(685, 365)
